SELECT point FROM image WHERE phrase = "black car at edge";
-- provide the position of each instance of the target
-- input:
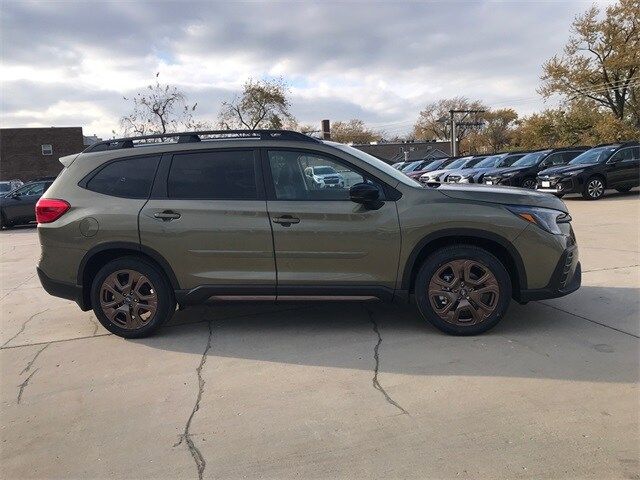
(523, 172)
(19, 206)
(610, 166)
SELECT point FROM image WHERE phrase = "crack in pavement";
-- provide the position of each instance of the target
(24, 384)
(33, 360)
(17, 287)
(186, 435)
(589, 320)
(611, 268)
(24, 325)
(376, 357)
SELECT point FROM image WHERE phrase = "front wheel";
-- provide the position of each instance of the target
(463, 290)
(593, 188)
(131, 298)
(529, 183)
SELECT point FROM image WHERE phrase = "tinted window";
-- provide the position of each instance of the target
(225, 175)
(594, 155)
(130, 178)
(623, 155)
(293, 178)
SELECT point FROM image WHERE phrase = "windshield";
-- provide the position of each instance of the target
(471, 162)
(431, 165)
(5, 187)
(530, 159)
(323, 170)
(455, 164)
(489, 161)
(508, 161)
(595, 155)
(375, 162)
(409, 167)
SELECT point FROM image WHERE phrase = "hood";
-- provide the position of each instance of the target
(502, 195)
(439, 172)
(500, 170)
(565, 169)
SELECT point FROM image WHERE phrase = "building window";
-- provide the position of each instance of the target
(47, 149)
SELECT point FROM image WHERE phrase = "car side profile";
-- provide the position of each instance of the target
(455, 164)
(523, 172)
(430, 166)
(610, 166)
(18, 206)
(134, 227)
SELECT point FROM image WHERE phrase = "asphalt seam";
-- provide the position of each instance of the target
(376, 357)
(590, 320)
(198, 458)
(611, 268)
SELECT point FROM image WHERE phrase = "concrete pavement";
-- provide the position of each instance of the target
(331, 389)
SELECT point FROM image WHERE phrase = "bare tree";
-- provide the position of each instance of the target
(433, 121)
(262, 104)
(159, 108)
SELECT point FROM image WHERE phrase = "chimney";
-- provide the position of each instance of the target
(326, 130)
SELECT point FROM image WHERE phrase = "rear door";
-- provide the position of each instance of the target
(207, 217)
(325, 243)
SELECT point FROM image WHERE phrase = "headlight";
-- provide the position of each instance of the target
(574, 173)
(545, 218)
(510, 174)
(466, 179)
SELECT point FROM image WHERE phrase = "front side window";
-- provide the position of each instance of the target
(222, 175)
(622, 155)
(129, 178)
(310, 176)
(47, 149)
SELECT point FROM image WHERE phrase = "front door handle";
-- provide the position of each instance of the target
(286, 220)
(167, 215)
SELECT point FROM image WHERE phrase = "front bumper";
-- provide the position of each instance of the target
(558, 186)
(566, 278)
(62, 289)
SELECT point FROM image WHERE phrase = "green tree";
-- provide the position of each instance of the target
(262, 104)
(601, 61)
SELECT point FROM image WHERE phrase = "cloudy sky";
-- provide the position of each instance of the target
(70, 63)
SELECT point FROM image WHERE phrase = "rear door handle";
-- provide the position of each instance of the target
(286, 220)
(167, 215)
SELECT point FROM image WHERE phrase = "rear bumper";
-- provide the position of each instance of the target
(65, 290)
(566, 278)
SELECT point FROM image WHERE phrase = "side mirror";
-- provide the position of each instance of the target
(15, 195)
(366, 194)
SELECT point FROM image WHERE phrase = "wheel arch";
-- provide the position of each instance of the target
(99, 255)
(495, 244)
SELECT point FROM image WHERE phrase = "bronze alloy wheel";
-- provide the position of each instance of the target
(128, 299)
(463, 292)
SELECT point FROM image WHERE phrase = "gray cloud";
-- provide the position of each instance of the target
(453, 48)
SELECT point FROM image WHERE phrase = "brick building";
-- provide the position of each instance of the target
(392, 152)
(28, 153)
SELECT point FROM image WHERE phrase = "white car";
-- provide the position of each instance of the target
(325, 176)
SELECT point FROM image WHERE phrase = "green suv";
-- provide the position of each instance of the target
(134, 227)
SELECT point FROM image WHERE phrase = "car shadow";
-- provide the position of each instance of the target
(532, 341)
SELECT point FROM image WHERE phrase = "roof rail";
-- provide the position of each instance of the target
(192, 137)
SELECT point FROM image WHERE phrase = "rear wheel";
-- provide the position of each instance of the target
(463, 290)
(593, 188)
(131, 298)
(529, 183)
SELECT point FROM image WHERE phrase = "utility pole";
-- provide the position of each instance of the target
(326, 130)
(454, 125)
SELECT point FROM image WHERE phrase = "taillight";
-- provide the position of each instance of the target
(50, 209)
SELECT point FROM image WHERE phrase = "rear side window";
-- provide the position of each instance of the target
(129, 178)
(223, 175)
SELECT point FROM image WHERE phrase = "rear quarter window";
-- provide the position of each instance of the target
(128, 178)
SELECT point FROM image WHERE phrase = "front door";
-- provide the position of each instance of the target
(325, 243)
(623, 168)
(208, 217)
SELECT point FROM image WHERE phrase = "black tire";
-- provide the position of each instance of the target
(529, 183)
(439, 260)
(165, 303)
(594, 188)
(623, 189)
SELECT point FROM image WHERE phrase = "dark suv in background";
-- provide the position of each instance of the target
(18, 207)
(610, 166)
(523, 172)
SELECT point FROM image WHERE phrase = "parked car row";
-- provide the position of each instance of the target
(585, 170)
